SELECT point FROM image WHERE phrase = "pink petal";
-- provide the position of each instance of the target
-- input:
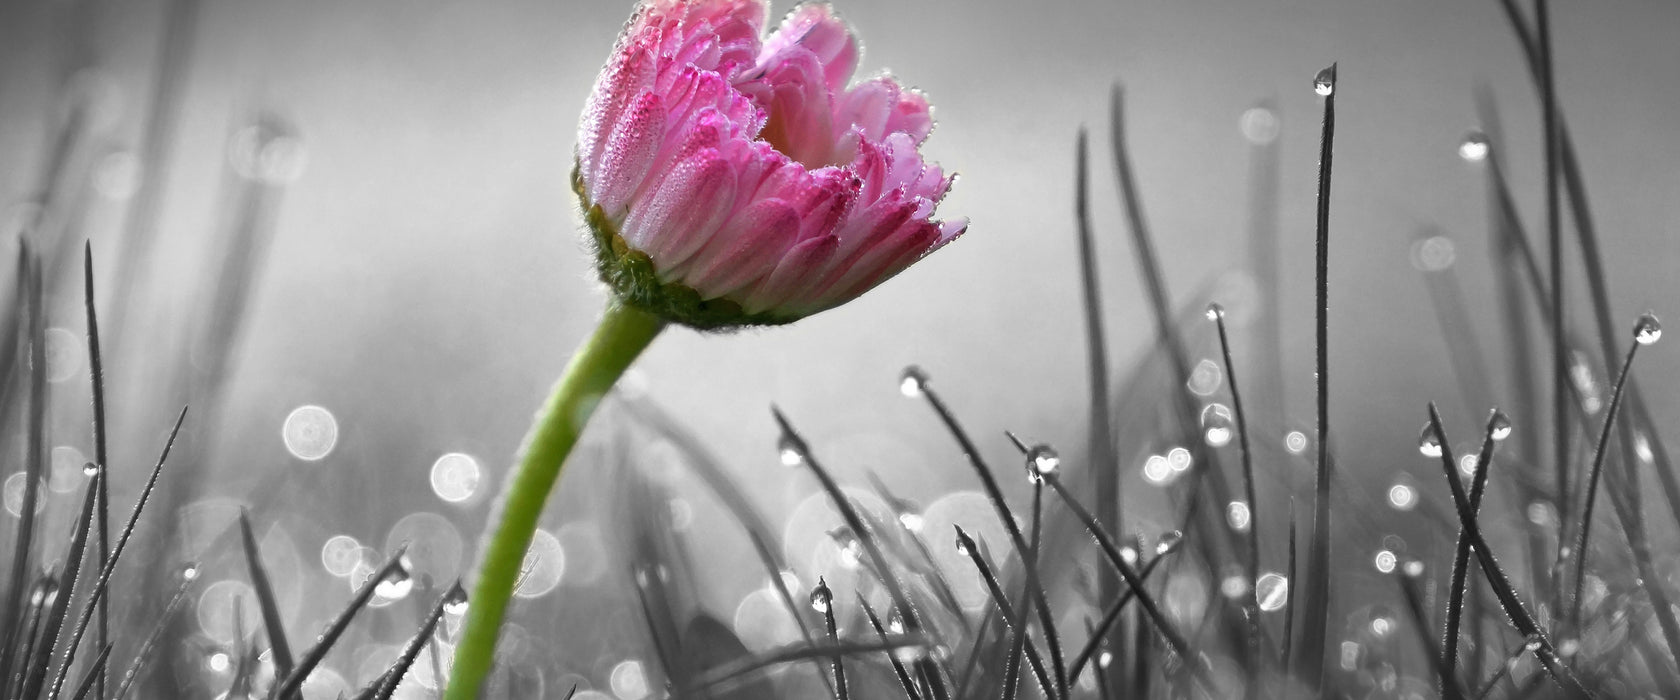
(691, 202)
(789, 283)
(628, 154)
(746, 250)
(814, 26)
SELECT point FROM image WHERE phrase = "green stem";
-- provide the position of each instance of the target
(622, 335)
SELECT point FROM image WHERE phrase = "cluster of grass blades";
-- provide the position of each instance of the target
(1579, 615)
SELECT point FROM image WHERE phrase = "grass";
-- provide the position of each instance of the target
(1071, 564)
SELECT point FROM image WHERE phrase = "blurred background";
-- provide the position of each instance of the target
(354, 226)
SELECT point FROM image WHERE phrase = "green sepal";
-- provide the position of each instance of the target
(632, 277)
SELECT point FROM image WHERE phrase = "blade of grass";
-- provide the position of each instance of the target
(1216, 313)
(1461, 558)
(1046, 620)
(1111, 616)
(837, 663)
(903, 676)
(791, 440)
(1554, 254)
(1017, 646)
(102, 583)
(189, 574)
(394, 677)
(715, 680)
(1105, 464)
(1309, 663)
(96, 375)
(37, 666)
(42, 594)
(264, 590)
(1585, 530)
(94, 673)
(1501, 585)
(1414, 597)
(288, 687)
(1006, 610)
(1289, 597)
(30, 298)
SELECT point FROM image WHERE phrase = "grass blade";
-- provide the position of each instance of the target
(715, 680)
(1309, 663)
(264, 590)
(42, 656)
(94, 673)
(1501, 585)
(189, 574)
(96, 375)
(1046, 619)
(1461, 558)
(903, 676)
(794, 445)
(1112, 615)
(1216, 313)
(288, 687)
(836, 663)
(101, 584)
(1598, 467)
(393, 678)
(1006, 610)
(30, 298)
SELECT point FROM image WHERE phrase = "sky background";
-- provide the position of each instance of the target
(427, 279)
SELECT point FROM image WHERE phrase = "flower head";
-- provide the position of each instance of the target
(735, 180)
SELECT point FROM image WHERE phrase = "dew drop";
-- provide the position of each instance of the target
(398, 582)
(1215, 312)
(1042, 461)
(455, 603)
(1259, 125)
(1217, 425)
(1238, 516)
(1128, 555)
(1295, 442)
(1169, 542)
(1501, 426)
(310, 433)
(912, 381)
(1474, 147)
(792, 456)
(1648, 330)
(911, 520)
(1234, 586)
(217, 662)
(1385, 561)
(1402, 497)
(962, 544)
(1413, 567)
(821, 597)
(89, 469)
(1178, 459)
(1156, 470)
(1325, 82)
(1271, 591)
(1428, 443)
(1534, 643)
(189, 572)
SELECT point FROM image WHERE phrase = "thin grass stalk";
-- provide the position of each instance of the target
(1006, 610)
(1501, 674)
(280, 649)
(46, 588)
(1109, 618)
(37, 666)
(718, 679)
(288, 687)
(1508, 246)
(1461, 561)
(1105, 464)
(94, 673)
(102, 583)
(1167, 335)
(1250, 602)
(912, 622)
(1309, 662)
(96, 375)
(144, 655)
(1554, 254)
(1289, 596)
(903, 676)
(1418, 609)
(836, 663)
(1046, 618)
(1017, 646)
(1174, 638)
(411, 651)
(29, 297)
(1501, 585)
(1585, 531)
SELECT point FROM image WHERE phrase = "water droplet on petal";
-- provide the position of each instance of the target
(1271, 591)
(1428, 443)
(910, 383)
(1474, 147)
(1648, 330)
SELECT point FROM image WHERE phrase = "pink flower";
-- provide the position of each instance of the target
(732, 180)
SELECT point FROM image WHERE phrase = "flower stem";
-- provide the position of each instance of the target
(623, 333)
